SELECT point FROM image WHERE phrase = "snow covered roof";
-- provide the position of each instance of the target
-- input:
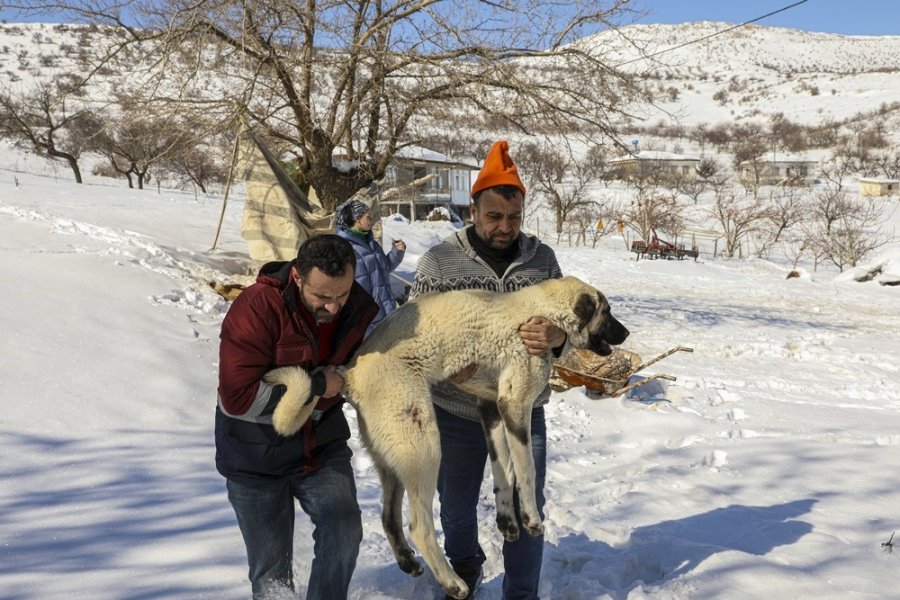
(656, 155)
(878, 180)
(432, 156)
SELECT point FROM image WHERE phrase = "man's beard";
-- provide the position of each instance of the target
(494, 240)
(323, 316)
(320, 315)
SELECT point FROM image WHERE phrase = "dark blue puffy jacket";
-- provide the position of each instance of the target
(372, 271)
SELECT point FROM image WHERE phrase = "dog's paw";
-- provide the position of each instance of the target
(507, 526)
(459, 590)
(408, 564)
(535, 528)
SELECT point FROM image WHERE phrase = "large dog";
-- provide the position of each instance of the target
(428, 340)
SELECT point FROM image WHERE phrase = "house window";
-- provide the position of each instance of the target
(804, 171)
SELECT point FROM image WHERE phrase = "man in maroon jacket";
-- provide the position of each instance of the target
(310, 313)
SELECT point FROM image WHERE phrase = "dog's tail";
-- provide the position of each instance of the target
(296, 404)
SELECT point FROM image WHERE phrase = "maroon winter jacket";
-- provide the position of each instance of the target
(263, 330)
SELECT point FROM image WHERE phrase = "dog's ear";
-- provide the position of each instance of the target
(585, 308)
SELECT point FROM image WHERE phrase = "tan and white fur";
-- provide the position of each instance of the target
(426, 341)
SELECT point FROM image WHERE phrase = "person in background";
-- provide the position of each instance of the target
(491, 254)
(308, 313)
(354, 224)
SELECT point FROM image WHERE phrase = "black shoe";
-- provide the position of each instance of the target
(472, 576)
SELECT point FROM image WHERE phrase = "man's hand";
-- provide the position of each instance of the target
(400, 245)
(334, 383)
(466, 374)
(541, 336)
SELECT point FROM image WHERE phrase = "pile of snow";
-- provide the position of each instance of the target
(883, 269)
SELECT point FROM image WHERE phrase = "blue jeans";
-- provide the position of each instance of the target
(463, 458)
(265, 514)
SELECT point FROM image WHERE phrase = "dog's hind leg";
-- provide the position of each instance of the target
(420, 491)
(402, 435)
(501, 469)
(392, 521)
(515, 402)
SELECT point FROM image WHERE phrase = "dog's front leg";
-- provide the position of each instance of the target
(501, 469)
(515, 402)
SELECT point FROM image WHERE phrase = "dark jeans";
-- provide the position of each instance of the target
(265, 514)
(463, 458)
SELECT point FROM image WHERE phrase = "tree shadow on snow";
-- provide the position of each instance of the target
(689, 311)
(579, 567)
(129, 515)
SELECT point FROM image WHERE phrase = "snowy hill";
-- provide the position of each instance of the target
(757, 71)
(810, 77)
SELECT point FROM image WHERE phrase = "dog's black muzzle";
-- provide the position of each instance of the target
(613, 333)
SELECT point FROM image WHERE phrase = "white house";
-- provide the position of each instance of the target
(784, 169)
(449, 187)
(879, 186)
(667, 163)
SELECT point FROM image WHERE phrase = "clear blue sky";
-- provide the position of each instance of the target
(849, 17)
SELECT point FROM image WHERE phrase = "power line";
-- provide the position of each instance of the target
(712, 35)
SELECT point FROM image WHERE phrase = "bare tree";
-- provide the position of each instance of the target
(842, 164)
(594, 222)
(692, 187)
(888, 164)
(653, 209)
(135, 144)
(738, 214)
(749, 157)
(829, 204)
(361, 78)
(787, 206)
(197, 164)
(50, 119)
(560, 179)
(846, 236)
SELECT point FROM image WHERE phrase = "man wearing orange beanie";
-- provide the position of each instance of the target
(491, 254)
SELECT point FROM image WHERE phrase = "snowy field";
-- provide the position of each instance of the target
(767, 470)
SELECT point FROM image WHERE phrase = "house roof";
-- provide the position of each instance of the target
(878, 180)
(656, 155)
(418, 153)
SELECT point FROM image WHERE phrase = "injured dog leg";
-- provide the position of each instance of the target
(501, 468)
(401, 433)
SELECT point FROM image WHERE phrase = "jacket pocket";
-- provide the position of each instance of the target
(294, 354)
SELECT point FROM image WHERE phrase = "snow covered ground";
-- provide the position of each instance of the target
(768, 469)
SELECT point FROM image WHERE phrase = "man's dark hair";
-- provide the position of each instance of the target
(328, 252)
(507, 191)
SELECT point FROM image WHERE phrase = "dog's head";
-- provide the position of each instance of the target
(597, 327)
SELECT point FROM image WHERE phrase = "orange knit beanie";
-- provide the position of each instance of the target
(498, 169)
